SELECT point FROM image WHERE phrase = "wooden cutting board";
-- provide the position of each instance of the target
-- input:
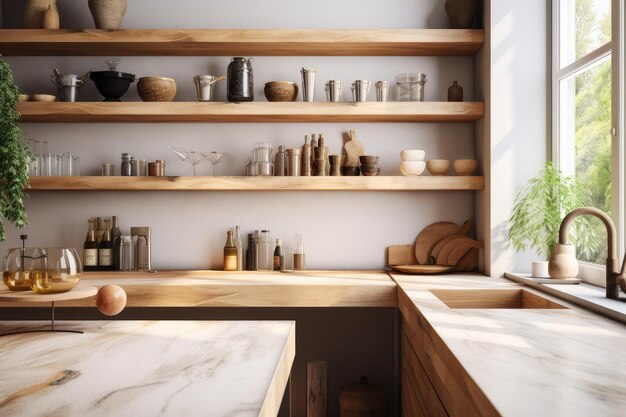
(470, 261)
(454, 249)
(353, 149)
(431, 235)
(401, 255)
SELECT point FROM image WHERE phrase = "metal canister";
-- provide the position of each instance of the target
(161, 167)
(125, 169)
(279, 162)
(134, 168)
(333, 90)
(293, 164)
(382, 90)
(154, 169)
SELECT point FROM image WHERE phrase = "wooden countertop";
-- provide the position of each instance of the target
(519, 362)
(148, 368)
(348, 288)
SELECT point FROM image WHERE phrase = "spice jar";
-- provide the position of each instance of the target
(293, 158)
(125, 170)
(240, 80)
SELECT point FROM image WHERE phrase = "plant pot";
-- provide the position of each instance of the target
(34, 11)
(107, 14)
(539, 269)
(461, 13)
(563, 263)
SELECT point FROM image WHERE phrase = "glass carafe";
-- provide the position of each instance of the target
(56, 270)
(261, 159)
(16, 268)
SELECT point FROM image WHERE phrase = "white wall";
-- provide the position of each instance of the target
(341, 230)
(512, 75)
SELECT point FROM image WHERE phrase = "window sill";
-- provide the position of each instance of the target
(593, 274)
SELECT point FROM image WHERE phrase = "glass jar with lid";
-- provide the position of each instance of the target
(240, 79)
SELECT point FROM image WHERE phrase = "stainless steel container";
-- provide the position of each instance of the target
(333, 90)
(67, 85)
(360, 89)
(262, 169)
(382, 90)
(308, 83)
(142, 254)
(293, 162)
(205, 86)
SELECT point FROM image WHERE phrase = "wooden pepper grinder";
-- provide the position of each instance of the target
(455, 92)
(322, 167)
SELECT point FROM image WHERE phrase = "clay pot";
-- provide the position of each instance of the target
(461, 13)
(34, 11)
(281, 91)
(107, 14)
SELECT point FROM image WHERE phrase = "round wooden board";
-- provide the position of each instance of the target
(78, 292)
(423, 269)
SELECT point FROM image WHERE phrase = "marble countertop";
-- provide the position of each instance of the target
(566, 362)
(149, 368)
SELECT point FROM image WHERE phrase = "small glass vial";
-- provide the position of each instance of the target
(298, 254)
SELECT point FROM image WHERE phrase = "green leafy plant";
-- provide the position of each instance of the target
(539, 208)
(14, 154)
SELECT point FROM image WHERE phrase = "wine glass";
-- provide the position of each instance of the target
(191, 157)
(215, 158)
(55, 270)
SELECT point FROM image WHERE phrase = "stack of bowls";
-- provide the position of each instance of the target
(412, 162)
(369, 165)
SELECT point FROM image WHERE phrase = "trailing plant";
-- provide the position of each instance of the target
(14, 154)
(539, 208)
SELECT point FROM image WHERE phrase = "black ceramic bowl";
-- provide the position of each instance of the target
(112, 84)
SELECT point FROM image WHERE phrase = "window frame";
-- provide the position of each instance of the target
(594, 273)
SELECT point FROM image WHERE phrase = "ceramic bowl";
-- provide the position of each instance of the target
(156, 88)
(281, 91)
(412, 155)
(23, 98)
(44, 98)
(350, 171)
(112, 85)
(412, 167)
(370, 170)
(438, 166)
(465, 166)
(369, 160)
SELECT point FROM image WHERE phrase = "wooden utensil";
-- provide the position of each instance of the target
(422, 269)
(431, 235)
(401, 255)
(354, 149)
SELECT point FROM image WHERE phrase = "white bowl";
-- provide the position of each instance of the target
(409, 168)
(412, 155)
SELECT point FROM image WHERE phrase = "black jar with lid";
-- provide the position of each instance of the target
(240, 79)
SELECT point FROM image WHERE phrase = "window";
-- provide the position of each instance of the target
(587, 74)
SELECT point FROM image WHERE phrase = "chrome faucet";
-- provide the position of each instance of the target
(564, 257)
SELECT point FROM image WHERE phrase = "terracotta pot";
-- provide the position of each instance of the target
(107, 14)
(33, 13)
(461, 13)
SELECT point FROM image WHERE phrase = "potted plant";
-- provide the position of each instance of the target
(14, 154)
(540, 205)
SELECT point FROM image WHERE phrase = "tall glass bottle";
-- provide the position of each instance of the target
(298, 254)
(251, 253)
(105, 250)
(230, 253)
(116, 238)
(279, 256)
(239, 246)
(264, 252)
(99, 229)
(90, 249)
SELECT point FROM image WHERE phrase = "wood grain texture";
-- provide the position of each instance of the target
(78, 292)
(428, 238)
(229, 42)
(401, 255)
(253, 112)
(381, 183)
(349, 288)
(408, 399)
(494, 298)
(280, 379)
(317, 389)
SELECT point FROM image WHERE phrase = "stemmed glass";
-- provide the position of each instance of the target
(215, 158)
(191, 157)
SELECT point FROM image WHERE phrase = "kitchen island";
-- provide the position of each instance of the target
(146, 368)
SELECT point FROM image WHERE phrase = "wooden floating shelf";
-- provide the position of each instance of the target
(230, 42)
(253, 112)
(95, 183)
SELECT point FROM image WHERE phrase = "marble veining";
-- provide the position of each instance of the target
(153, 368)
(527, 362)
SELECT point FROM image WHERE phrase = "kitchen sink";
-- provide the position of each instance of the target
(506, 299)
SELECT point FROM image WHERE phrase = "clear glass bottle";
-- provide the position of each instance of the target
(298, 254)
(264, 252)
(239, 246)
(230, 253)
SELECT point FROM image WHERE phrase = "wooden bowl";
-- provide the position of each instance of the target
(369, 160)
(156, 88)
(43, 98)
(281, 91)
(438, 166)
(370, 170)
(465, 166)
